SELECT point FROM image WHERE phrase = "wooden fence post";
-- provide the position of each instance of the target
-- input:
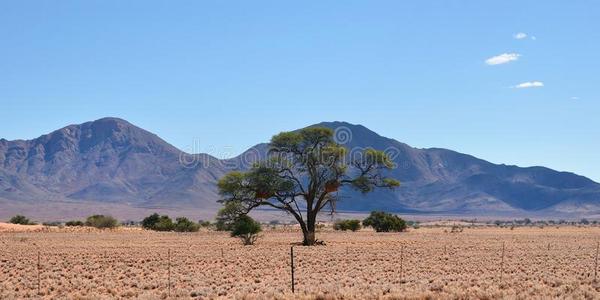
(292, 266)
(38, 273)
(169, 259)
(402, 264)
(596, 264)
(502, 263)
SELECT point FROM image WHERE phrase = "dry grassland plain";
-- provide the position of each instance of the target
(425, 263)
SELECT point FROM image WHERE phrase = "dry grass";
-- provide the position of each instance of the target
(362, 265)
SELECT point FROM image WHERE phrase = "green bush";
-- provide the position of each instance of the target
(101, 221)
(164, 224)
(158, 223)
(150, 221)
(74, 223)
(246, 229)
(344, 225)
(182, 224)
(21, 220)
(384, 222)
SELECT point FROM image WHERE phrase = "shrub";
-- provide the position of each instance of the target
(384, 222)
(74, 223)
(413, 224)
(101, 221)
(182, 224)
(246, 229)
(456, 229)
(150, 222)
(228, 215)
(21, 220)
(344, 225)
(52, 224)
(129, 223)
(164, 224)
(158, 223)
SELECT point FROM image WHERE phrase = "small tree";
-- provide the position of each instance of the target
(101, 221)
(304, 171)
(246, 229)
(21, 220)
(182, 224)
(384, 222)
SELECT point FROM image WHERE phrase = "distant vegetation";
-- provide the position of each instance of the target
(182, 224)
(344, 225)
(384, 222)
(53, 224)
(540, 223)
(21, 220)
(74, 223)
(165, 223)
(205, 224)
(101, 222)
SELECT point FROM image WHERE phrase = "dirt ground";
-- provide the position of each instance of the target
(423, 263)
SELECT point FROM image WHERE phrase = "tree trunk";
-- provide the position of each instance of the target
(309, 234)
(309, 238)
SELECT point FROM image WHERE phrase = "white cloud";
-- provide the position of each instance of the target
(574, 98)
(502, 58)
(529, 84)
(521, 35)
(533, 38)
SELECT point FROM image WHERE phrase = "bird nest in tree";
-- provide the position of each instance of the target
(332, 186)
(264, 194)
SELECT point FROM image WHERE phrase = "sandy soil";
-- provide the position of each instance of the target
(7, 227)
(419, 264)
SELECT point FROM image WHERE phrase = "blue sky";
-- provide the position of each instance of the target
(225, 75)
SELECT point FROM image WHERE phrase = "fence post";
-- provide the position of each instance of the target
(292, 266)
(38, 273)
(596, 264)
(402, 264)
(169, 259)
(502, 263)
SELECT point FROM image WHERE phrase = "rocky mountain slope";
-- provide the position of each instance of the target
(112, 162)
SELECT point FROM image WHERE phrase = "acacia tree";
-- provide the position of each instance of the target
(303, 171)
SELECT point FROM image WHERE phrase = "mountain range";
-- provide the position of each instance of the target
(110, 164)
